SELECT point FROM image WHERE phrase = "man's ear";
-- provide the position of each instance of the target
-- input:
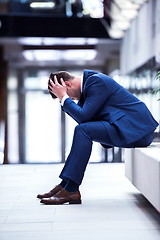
(68, 84)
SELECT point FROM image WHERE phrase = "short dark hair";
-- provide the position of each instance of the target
(66, 76)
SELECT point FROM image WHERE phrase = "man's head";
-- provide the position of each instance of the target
(73, 83)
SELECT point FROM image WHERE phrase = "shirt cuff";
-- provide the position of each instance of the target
(63, 99)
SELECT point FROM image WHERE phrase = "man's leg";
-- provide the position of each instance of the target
(73, 171)
(78, 158)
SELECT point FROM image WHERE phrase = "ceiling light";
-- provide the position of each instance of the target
(122, 25)
(139, 1)
(129, 13)
(42, 4)
(88, 54)
(127, 4)
(28, 55)
(69, 41)
(93, 8)
(115, 33)
(58, 55)
(121, 14)
(45, 41)
(30, 40)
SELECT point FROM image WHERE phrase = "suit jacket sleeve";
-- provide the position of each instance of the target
(95, 96)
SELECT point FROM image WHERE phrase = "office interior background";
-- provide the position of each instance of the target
(120, 38)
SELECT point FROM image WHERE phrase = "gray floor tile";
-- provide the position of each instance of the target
(27, 226)
(112, 207)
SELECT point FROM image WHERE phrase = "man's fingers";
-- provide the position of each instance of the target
(49, 87)
(55, 80)
(62, 82)
(51, 83)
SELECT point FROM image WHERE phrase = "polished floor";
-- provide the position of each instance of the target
(112, 208)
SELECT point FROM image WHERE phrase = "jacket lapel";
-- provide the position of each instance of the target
(86, 74)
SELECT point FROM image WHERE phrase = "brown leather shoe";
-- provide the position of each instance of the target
(51, 193)
(62, 197)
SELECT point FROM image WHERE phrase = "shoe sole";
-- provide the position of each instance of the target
(61, 203)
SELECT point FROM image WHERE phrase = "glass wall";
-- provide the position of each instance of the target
(13, 146)
(34, 126)
(141, 83)
(42, 120)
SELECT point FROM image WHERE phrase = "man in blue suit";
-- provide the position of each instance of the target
(106, 113)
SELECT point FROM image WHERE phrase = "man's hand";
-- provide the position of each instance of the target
(56, 88)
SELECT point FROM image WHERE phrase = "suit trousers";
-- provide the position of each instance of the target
(84, 135)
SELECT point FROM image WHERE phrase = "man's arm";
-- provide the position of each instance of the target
(63, 99)
(96, 94)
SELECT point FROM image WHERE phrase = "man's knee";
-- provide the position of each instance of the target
(83, 129)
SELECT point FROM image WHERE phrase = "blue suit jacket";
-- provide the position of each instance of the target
(103, 99)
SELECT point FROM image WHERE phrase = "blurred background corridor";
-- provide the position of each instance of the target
(117, 37)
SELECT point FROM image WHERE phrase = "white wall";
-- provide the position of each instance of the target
(142, 40)
(157, 37)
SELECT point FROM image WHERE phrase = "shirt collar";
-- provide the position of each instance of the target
(81, 82)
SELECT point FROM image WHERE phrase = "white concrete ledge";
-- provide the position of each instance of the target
(142, 168)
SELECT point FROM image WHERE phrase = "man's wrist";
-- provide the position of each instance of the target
(63, 99)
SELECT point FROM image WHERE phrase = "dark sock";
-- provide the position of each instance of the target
(71, 186)
(63, 183)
